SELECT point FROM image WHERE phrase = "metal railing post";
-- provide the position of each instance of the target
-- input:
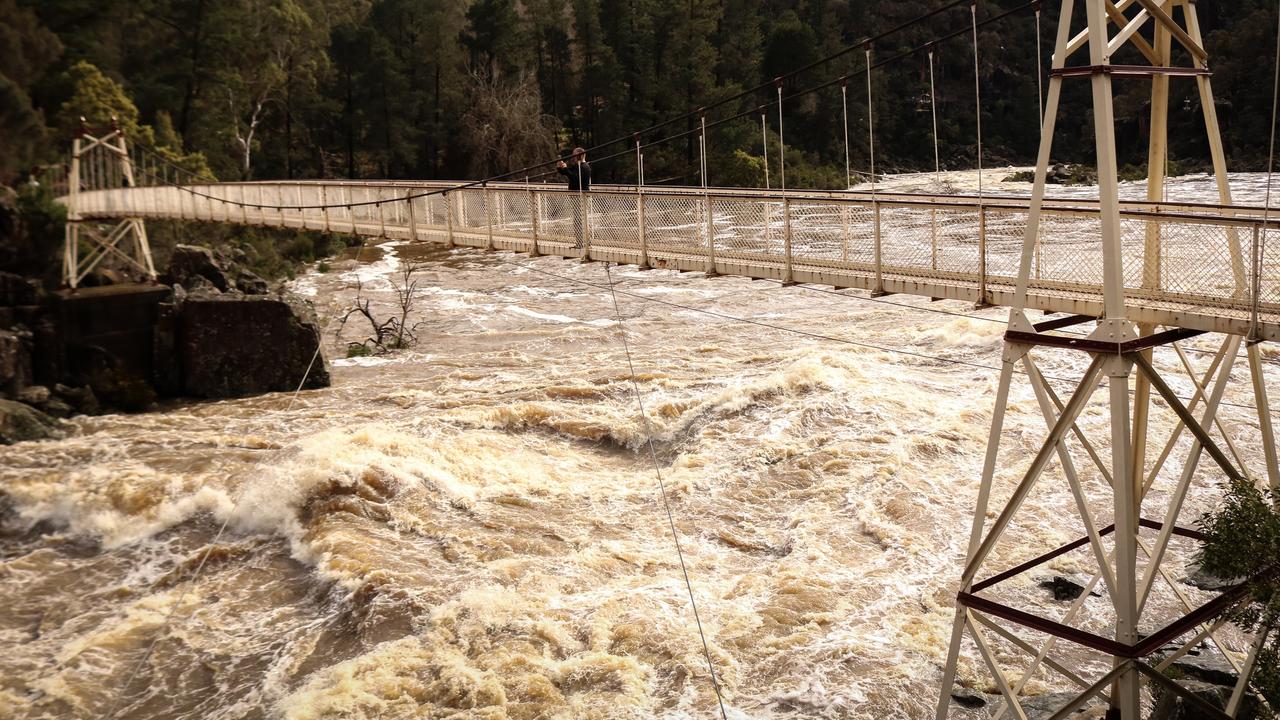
(644, 235)
(382, 216)
(324, 210)
(844, 237)
(535, 209)
(982, 257)
(711, 236)
(787, 276)
(585, 205)
(351, 210)
(875, 215)
(933, 238)
(1255, 287)
(448, 219)
(413, 217)
(488, 219)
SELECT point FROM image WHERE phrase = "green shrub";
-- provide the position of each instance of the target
(32, 228)
(1242, 540)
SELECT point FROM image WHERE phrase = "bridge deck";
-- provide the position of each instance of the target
(1185, 265)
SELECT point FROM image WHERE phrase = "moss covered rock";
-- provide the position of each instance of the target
(20, 423)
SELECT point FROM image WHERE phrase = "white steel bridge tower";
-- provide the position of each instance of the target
(1127, 542)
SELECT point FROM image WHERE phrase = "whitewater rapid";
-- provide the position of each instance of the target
(473, 528)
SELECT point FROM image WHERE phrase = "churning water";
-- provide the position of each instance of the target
(472, 528)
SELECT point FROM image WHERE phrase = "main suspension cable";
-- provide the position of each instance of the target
(777, 82)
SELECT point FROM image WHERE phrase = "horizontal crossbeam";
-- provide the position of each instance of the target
(1100, 346)
(1076, 544)
(1129, 71)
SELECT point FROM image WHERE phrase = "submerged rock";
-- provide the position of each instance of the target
(194, 267)
(1042, 707)
(1064, 589)
(189, 262)
(1206, 666)
(20, 423)
(236, 345)
(970, 698)
(15, 361)
(1171, 706)
(1201, 578)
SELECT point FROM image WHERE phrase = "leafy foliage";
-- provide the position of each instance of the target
(31, 232)
(388, 88)
(1242, 540)
(394, 331)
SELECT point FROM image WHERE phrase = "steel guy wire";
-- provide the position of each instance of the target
(956, 313)
(666, 503)
(817, 335)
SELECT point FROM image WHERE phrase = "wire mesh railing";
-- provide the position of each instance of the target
(1203, 257)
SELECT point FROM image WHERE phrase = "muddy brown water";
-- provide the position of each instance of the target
(472, 528)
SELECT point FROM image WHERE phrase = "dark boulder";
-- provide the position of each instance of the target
(250, 283)
(232, 346)
(189, 262)
(35, 395)
(17, 290)
(1064, 589)
(44, 400)
(965, 697)
(1172, 706)
(195, 267)
(20, 423)
(1043, 707)
(15, 361)
(1206, 665)
(1200, 578)
(81, 399)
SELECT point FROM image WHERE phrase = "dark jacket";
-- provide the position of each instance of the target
(572, 172)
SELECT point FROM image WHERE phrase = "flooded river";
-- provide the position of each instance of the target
(472, 527)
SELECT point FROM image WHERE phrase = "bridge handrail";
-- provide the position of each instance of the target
(1197, 256)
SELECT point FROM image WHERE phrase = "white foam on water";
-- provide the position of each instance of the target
(482, 535)
(562, 319)
(364, 361)
(376, 275)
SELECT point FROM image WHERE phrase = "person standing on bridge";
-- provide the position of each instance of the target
(579, 177)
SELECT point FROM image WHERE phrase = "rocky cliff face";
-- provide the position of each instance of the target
(231, 346)
(217, 332)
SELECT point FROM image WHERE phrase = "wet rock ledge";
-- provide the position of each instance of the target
(211, 329)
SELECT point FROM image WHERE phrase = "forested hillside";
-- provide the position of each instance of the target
(462, 88)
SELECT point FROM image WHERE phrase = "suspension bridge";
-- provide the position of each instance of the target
(1194, 275)
(1140, 275)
